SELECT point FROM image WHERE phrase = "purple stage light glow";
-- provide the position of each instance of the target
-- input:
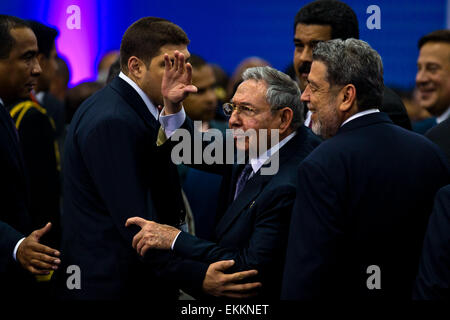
(77, 22)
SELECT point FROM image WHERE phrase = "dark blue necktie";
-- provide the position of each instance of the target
(242, 180)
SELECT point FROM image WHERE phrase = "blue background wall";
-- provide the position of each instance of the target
(225, 32)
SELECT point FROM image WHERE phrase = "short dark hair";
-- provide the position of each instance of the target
(338, 15)
(196, 61)
(435, 36)
(45, 36)
(6, 39)
(145, 37)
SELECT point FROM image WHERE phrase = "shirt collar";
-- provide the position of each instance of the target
(151, 107)
(40, 97)
(443, 116)
(258, 162)
(1, 102)
(360, 114)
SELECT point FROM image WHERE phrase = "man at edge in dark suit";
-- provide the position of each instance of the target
(19, 69)
(365, 194)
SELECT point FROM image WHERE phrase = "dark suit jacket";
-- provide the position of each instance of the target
(433, 280)
(113, 171)
(37, 140)
(14, 219)
(363, 199)
(440, 135)
(253, 229)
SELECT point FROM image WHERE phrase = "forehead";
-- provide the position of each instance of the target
(251, 91)
(312, 32)
(25, 40)
(170, 49)
(318, 72)
(438, 52)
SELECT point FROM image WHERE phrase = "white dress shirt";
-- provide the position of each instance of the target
(360, 114)
(171, 122)
(443, 116)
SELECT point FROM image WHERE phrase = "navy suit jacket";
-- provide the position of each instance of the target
(433, 279)
(14, 219)
(113, 170)
(253, 228)
(363, 199)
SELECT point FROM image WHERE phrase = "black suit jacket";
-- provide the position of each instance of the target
(433, 279)
(253, 228)
(440, 135)
(14, 219)
(113, 171)
(363, 199)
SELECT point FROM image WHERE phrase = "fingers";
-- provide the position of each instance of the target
(37, 234)
(137, 238)
(167, 64)
(222, 265)
(40, 264)
(242, 287)
(38, 248)
(238, 276)
(33, 270)
(137, 221)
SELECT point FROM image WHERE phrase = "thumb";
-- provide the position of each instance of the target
(40, 232)
(135, 220)
(222, 265)
(191, 88)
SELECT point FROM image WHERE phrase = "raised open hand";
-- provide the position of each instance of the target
(177, 82)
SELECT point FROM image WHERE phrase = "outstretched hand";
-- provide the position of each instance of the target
(35, 257)
(220, 284)
(176, 83)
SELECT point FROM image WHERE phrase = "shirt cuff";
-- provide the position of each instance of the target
(172, 122)
(17, 247)
(174, 240)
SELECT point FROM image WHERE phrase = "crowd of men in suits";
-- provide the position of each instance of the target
(358, 208)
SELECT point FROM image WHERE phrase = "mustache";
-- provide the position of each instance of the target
(305, 67)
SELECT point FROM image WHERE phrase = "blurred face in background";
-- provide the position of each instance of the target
(305, 39)
(49, 66)
(202, 105)
(433, 77)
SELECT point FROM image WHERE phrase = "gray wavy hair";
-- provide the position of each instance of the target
(354, 62)
(282, 91)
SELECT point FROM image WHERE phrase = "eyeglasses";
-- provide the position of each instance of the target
(228, 109)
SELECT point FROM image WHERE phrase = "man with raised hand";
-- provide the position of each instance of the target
(255, 204)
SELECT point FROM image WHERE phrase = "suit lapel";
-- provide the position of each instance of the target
(135, 101)
(244, 200)
(293, 151)
(8, 123)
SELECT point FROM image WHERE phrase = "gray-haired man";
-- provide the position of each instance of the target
(255, 208)
(364, 195)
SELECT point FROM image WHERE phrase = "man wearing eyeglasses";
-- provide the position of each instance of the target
(255, 207)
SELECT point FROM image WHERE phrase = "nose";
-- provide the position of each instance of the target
(305, 94)
(306, 54)
(36, 68)
(421, 76)
(235, 120)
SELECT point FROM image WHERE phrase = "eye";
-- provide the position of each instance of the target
(247, 110)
